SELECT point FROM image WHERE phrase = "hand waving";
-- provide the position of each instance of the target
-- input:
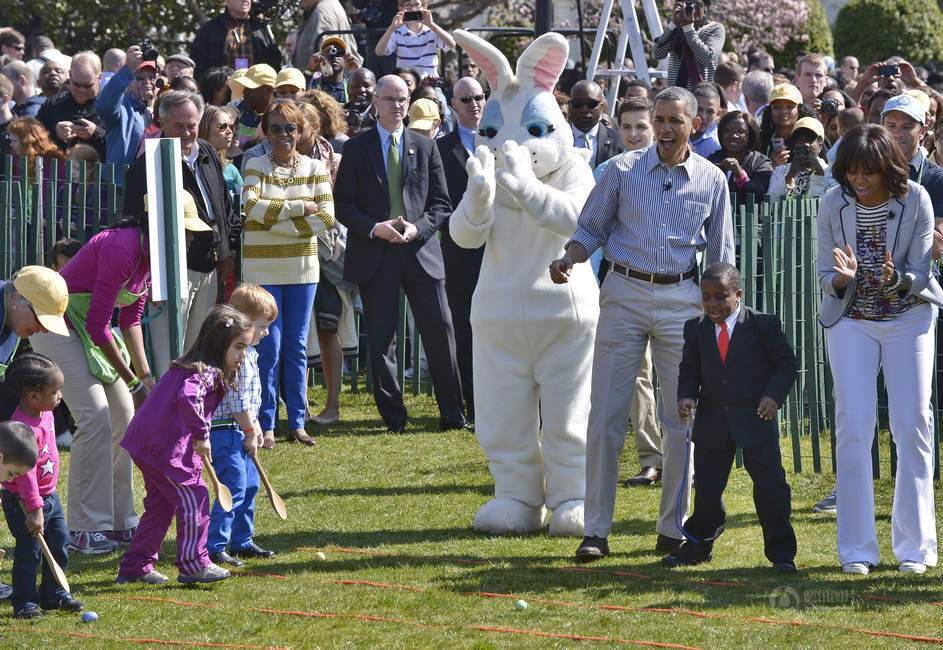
(846, 265)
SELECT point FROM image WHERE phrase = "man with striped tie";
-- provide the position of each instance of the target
(652, 211)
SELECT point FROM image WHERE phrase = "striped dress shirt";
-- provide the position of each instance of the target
(654, 219)
(417, 50)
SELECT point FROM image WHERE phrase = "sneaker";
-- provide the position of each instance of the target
(121, 537)
(859, 568)
(150, 578)
(909, 566)
(64, 441)
(29, 610)
(209, 573)
(5, 591)
(66, 604)
(90, 543)
(828, 504)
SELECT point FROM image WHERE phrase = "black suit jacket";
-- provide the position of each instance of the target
(454, 156)
(608, 144)
(205, 249)
(759, 363)
(932, 182)
(361, 199)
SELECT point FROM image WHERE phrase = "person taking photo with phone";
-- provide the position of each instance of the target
(806, 173)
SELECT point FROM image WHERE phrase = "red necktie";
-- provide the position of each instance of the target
(723, 342)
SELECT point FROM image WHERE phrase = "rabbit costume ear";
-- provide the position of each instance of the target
(542, 62)
(492, 62)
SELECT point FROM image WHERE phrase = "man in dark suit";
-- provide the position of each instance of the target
(462, 265)
(391, 194)
(586, 104)
(737, 368)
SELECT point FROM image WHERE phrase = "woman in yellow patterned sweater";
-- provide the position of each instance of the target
(287, 201)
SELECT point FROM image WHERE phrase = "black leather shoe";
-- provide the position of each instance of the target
(688, 555)
(66, 604)
(451, 425)
(254, 550)
(667, 544)
(396, 428)
(225, 558)
(647, 476)
(592, 549)
(785, 566)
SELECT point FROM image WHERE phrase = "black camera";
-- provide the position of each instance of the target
(801, 151)
(689, 8)
(829, 107)
(148, 51)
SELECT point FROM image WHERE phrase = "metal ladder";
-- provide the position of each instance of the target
(630, 35)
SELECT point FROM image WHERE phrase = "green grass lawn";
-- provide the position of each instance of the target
(404, 569)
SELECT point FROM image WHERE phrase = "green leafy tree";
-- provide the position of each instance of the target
(874, 30)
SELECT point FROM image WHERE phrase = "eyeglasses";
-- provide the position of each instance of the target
(19, 47)
(227, 126)
(396, 100)
(590, 104)
(87, 86)
(279, 129)
(469, 98)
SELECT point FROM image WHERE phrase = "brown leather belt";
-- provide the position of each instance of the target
(653, 278)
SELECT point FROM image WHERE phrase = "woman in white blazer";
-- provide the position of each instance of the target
(875, 234)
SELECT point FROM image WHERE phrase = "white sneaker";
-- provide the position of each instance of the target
(909, 566)
(828, 504)
(860, 568)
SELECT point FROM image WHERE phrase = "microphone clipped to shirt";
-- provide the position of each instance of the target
(666, 185)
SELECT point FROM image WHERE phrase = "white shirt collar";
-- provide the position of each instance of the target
(591, 134)
(731, 322)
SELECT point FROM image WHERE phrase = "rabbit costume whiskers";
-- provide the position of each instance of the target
(532, 339)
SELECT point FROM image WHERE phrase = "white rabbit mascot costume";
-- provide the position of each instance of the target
(532, 339)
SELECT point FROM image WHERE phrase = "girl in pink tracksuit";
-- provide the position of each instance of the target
(167, 439)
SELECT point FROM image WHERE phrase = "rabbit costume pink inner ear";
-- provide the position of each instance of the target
(543, 61)
(490, 59)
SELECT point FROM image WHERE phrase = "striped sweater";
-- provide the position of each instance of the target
(280, 243)
(706, 45)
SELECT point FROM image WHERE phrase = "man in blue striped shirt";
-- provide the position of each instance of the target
(652, 211)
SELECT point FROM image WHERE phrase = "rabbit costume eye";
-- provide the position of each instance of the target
(537, 117)
(540, 129)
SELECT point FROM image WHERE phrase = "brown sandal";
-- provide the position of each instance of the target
(301, 436)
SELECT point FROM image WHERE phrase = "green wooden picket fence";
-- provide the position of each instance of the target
(775, 250)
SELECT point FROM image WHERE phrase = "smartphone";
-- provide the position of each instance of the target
(412, 15)
(889, 70)
(778, 143)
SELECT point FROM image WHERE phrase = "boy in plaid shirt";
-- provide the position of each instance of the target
(235, 436)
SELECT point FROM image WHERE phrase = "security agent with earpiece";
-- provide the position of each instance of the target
(737, 369)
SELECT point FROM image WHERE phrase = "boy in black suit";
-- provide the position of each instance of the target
(737, 368)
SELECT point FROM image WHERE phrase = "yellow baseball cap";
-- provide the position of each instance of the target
(261, 74)
(46, 292)
(290, 77)
(235, 87)
(785, 91)
(422, 114)
(810, 123)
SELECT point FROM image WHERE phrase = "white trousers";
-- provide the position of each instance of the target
(634, 314)
(199, 299)
(903, 348)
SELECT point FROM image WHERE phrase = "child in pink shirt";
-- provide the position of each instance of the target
(167, 440)
(30, 503)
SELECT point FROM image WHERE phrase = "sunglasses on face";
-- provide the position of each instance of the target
(469, 98)
(589, 104)
(19, 48)
(279, 129)
(227, 126)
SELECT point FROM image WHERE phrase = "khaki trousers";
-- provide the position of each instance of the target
(634, 314)
(200, 298)
(101, 495)
(644, 416)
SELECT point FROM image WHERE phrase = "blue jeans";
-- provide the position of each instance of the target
(27, 556)
(286, 345)
(236, 471)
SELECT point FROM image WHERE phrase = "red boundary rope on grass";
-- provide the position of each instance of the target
(370, 618)
(143, 641)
